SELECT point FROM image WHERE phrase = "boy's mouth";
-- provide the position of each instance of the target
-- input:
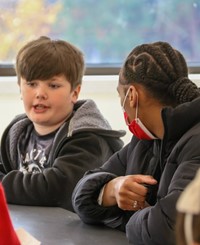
(40, 106)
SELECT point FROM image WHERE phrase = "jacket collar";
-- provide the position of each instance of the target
(180, 119)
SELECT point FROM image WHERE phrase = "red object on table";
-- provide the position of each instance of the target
(7, 232)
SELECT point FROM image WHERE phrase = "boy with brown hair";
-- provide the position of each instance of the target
(45, 151)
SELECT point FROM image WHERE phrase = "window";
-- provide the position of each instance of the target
(105, 31)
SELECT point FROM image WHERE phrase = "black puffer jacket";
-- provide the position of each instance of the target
(84, 142)
(173, 161)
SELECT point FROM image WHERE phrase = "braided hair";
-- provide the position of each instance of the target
(162, 70)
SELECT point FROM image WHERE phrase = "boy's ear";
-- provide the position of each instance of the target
(75, 93)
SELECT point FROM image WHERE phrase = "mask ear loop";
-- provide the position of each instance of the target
(136, 110)
(123, 109)
(125, 99)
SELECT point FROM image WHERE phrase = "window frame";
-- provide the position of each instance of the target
(93, 69)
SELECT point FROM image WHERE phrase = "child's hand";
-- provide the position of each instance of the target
(128, 192)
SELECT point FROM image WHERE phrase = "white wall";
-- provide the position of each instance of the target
(102, 89)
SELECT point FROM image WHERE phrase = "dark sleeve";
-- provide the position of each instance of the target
(54, 186)
(86, 193)
(156, 224)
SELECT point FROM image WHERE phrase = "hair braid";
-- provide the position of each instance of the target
(162, 70)
(175, 58)
(184, 90)
(159, 62)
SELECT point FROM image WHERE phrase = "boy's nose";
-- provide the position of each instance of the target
(41, 93)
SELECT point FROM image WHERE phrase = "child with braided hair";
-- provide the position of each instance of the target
(136, 190)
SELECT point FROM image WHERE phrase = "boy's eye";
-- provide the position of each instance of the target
(30, 83)
(54, 86)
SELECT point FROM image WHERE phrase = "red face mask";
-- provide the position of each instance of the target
(136, 126)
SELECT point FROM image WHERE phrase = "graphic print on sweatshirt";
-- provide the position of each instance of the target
(35, 153)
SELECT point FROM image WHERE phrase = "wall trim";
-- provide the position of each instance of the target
(91, 84)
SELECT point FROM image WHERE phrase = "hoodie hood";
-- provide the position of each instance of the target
(88, 117)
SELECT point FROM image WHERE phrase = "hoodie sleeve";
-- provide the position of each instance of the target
(54, 186)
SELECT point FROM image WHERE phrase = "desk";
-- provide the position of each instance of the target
(57, 226)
